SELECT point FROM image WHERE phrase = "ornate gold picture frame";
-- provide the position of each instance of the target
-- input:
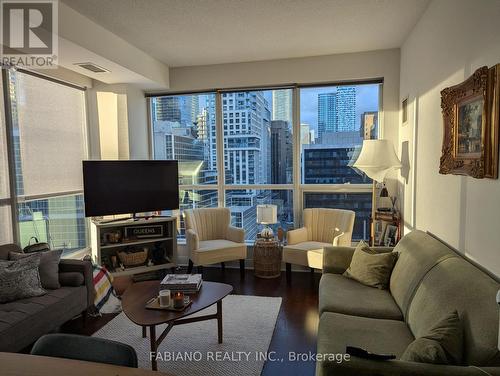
(471, 120)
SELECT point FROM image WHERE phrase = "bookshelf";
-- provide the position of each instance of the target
(151, 242)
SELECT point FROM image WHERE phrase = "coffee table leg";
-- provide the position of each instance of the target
(143, 332)
(219, 320)
(152, 335)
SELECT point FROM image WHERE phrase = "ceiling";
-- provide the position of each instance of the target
(199, 32)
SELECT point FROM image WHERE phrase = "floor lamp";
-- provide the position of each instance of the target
(376, 159)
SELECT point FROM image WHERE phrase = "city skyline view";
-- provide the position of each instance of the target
(258, 147)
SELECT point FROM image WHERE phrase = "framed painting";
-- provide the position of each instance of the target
(471, 120)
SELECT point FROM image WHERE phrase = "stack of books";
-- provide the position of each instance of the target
(187, 283)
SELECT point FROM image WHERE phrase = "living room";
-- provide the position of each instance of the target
(249, 187)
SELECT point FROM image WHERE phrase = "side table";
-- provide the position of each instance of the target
(267, 258)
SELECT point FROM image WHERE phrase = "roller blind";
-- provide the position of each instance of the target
(51, 137)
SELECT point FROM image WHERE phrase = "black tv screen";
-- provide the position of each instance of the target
(127, 187)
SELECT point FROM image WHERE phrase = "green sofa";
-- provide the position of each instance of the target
(428, 281)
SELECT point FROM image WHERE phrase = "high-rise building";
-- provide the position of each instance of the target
(369, 125)
(346, 109)
(281, 152)
(327, 114)
(306, 134)
(181, 108)
(282, 105)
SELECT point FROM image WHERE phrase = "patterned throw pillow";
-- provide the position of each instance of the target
(20, 279)
(48, 268)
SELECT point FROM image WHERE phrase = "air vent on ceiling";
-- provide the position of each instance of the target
(92, 67)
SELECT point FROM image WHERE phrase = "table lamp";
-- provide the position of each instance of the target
(376, 159)
(266, 215)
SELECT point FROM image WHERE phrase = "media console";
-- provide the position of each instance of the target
(142, 245)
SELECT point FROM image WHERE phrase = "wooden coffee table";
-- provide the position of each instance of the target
(134, 305)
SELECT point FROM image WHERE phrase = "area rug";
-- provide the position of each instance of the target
(192, 349)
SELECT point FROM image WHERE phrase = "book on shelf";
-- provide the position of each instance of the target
(188, 283)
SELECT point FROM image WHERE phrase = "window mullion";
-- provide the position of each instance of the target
(219, 147)
(297, 194)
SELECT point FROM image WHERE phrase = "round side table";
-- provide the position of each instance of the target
(267, 258)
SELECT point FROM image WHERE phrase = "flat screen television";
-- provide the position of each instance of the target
(129, 187)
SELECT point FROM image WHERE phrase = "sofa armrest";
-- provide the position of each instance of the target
(298, 235)
(84, 267)
(192, 240)
(366, 367)
(235, 234)
(337, 259)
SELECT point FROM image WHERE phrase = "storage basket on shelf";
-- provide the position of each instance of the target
(133, 258)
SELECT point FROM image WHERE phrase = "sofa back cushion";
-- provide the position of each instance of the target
(456, 284)
(6, 248)
(418, 253)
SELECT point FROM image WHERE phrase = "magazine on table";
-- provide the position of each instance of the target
(181, 282)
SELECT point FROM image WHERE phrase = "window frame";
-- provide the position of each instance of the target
(14, 200)
(298, 188)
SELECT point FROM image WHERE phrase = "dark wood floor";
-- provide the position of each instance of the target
(297, 322)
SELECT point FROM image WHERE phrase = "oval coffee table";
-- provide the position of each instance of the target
(134, 306)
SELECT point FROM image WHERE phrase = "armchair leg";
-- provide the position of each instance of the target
(242, 268)
(200, 269)
(288, 272)
(190, 267)
(312, 271)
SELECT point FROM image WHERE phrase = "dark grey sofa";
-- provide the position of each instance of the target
(428, 281)
(23, 321)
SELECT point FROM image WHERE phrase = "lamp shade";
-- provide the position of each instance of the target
(377, 158)
(267, 214)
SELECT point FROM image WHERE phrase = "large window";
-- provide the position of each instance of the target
(256, 153)
(334, 121)
(49, 142)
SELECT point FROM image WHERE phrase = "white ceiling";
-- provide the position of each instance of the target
(199, 32)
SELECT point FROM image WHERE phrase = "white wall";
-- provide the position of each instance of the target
(452, 39)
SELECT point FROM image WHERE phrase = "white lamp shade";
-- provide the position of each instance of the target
(377, 158)
(267, 214)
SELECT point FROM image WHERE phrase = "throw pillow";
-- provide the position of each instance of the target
(20, 279)
(48, 269)
(371, 268)
(443, 344)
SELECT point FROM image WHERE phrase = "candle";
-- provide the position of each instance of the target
(178, 300)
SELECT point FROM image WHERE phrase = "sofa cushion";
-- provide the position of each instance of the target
(220, 250)
(5, 249)
(343, 295)
(20, 279)
(306, 253)
(371, 268)
(336, 331)
(71, 279)
(48, 268)
(442, 344)
(23, 321)
(418, 253)
(456, 284)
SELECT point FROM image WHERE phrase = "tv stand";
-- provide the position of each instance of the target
(133, 218)
(157, 236)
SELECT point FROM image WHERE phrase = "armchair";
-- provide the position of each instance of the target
(211, 239)
(322, 228)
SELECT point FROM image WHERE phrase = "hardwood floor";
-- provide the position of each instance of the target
(297, 322)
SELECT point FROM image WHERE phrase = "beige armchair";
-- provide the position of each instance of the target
(211, 239)
(322, 228)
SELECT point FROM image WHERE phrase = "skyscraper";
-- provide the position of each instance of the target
(282, 105)
(281, 152)
(346, 109)
(327, 114)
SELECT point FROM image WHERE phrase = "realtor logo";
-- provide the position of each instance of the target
(29, 33)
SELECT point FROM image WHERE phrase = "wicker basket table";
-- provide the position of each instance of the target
(267, 258)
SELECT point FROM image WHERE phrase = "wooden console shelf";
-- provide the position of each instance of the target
(156, 236)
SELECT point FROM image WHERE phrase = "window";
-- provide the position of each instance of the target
(243, 204)
(49, 143)
(5, 202)
(266, 158)
(334, 121)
